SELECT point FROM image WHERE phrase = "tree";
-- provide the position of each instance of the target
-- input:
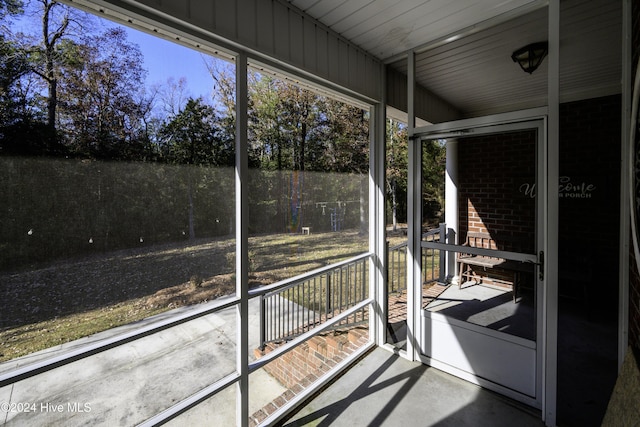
(12, 67)
(190, 138)
(173, 96)
(10, 7)
(344, 143)
(298, 110)
(45, 54)
(23, 129)
(103, 104)
(224, 100)
(293, 130)
(265, 130)
(21, 126)
(433, 169)
(282, 119)
(55, 19)
(396, 182)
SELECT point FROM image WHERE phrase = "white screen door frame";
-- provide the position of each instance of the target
(505, 363)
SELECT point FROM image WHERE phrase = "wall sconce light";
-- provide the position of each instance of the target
(530, 57)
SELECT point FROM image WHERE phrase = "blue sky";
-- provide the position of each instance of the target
(163, 59)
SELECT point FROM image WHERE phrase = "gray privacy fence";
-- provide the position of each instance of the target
(295, 306)
(53, 208)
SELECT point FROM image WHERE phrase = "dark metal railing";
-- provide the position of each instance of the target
(396, 268)
(295, 306)
(431, 262)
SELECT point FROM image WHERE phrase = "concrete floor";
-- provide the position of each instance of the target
(490, 307)
(384, 389)
(126, 385)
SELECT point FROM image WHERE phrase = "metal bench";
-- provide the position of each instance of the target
(511, 269)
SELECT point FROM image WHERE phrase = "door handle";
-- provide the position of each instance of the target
(540, 264)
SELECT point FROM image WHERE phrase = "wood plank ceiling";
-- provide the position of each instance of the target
(464, 46)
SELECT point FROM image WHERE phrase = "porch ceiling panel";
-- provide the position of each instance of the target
(464, 46)
(590, 49)
(387, 28)
(476, 74)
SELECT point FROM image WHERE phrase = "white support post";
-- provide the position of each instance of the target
(414, 228)
(414, 222)
(451, 213)
(242, 243)
(377, 223)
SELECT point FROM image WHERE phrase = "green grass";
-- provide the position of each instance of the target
(53, 304)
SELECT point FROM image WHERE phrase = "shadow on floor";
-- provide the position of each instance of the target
(384, 389)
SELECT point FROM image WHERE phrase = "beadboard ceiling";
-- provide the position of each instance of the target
(464, 46)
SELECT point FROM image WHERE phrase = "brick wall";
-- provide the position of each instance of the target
(495, 190)
(299, 368)
(496, 174)
(496, 177)
(314, 357)
(589, 213)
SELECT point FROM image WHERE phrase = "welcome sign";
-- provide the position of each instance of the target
(575, 190)
(567, 189)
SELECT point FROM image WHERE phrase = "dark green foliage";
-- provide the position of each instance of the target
(10, 7)
(192, 137)
(29, 137)
(292, 128)
(102, 106)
